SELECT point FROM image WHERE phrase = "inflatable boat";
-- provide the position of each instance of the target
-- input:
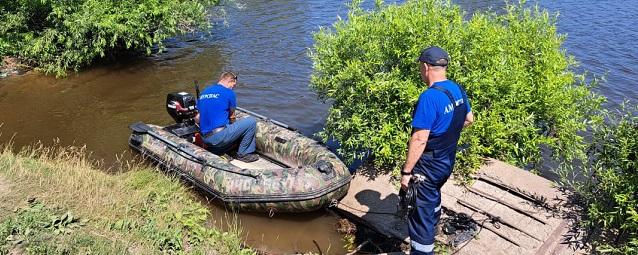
(294, 173)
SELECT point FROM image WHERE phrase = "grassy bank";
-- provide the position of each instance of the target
(55, 202)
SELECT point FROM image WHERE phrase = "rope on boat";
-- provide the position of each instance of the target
(278, 123)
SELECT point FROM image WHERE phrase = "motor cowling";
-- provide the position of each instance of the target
(181, 106)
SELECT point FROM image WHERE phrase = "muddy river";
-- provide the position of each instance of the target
(266, 43)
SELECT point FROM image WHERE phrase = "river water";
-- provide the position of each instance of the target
(266, 43)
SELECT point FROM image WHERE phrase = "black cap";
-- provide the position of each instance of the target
(434, 56)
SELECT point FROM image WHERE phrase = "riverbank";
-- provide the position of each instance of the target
(56, 202)
(12, 66)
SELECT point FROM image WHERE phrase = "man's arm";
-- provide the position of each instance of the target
(232, 104)
(415, 148)
(231, 116)
(469, 119)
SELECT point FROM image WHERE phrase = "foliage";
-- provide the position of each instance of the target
(611, 194)
(523, 91)
(348, 230)
(39, 230)
(60, 35)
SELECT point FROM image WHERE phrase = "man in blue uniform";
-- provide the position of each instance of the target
(441, 113)
(217, 124)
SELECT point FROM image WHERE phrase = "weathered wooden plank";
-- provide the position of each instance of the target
(522, 180)
(537, 212)
(500, 221)
(506, 215)
(518, 205)
(505, 232)
(374, 200)
(451, 188)
(554, 244)
(500, 190)
(490, 243)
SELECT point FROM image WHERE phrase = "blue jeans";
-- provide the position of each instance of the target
(243, 129)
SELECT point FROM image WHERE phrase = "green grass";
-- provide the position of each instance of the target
(36, 229)
(56, 202)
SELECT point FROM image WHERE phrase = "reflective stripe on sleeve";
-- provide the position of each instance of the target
(438, 208)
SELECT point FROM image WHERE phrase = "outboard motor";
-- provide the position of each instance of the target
(182, 107)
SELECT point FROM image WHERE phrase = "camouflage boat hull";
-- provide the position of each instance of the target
(310, 176)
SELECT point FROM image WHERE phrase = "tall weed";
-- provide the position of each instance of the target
(608, 182)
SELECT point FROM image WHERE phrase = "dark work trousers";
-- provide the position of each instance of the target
(242, 130)
(436, 166)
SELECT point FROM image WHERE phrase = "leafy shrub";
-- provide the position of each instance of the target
(611, 194)
(60, 35)
(523, 91)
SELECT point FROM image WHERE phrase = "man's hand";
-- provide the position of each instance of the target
(469, 119)
(405, 180)
(232, 117)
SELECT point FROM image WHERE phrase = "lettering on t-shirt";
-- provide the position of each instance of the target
(209, 96)
(450, 108)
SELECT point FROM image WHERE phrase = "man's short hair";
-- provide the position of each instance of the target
(228, 75)
(436, 67)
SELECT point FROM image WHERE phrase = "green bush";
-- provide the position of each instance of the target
(611, 194)
(520, 82)
(58, 35)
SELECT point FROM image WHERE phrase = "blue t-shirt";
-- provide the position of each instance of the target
(434, 110)
(214, 105)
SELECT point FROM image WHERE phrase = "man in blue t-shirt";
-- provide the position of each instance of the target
(440, 114)
(217, 124)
